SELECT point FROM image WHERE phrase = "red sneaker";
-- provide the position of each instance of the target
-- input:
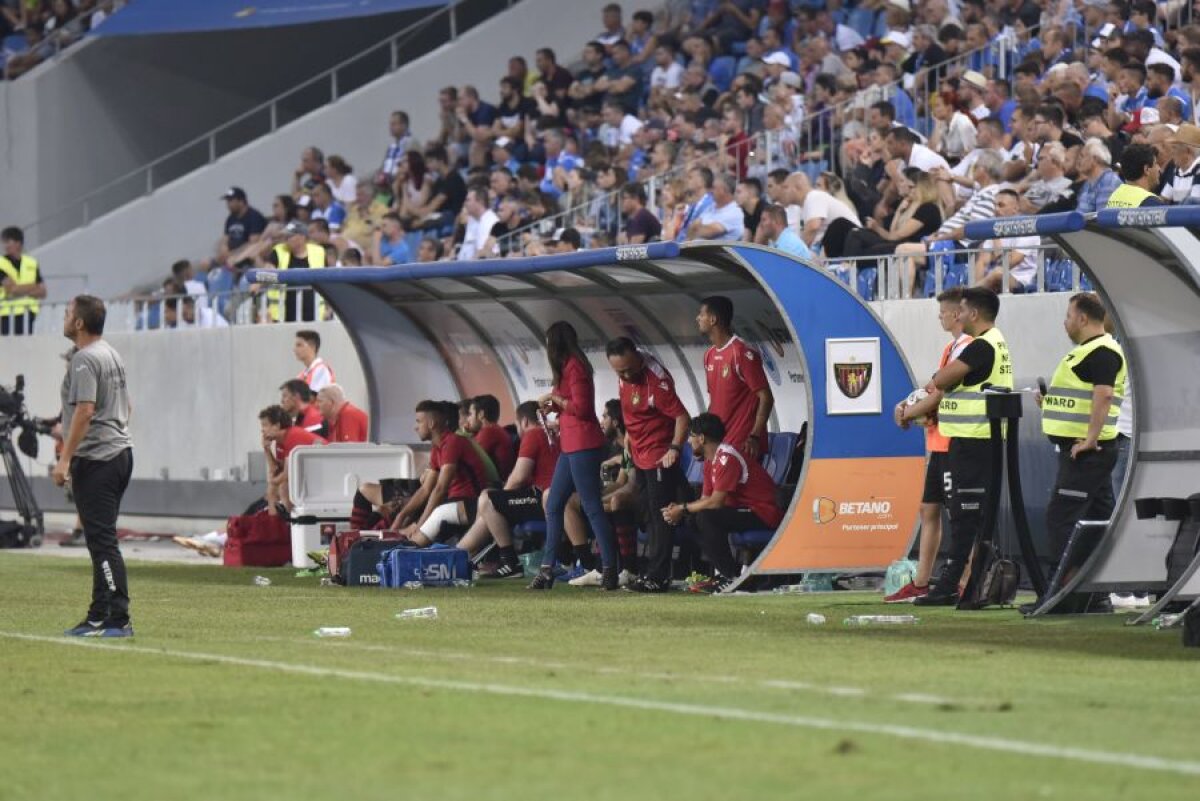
(906, 594)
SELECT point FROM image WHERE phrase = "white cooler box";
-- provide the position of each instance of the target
(322, 480)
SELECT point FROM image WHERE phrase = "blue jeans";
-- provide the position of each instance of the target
(578, 472)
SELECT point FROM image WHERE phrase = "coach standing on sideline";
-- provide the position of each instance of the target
(97, 458)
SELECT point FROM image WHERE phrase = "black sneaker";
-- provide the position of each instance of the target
(76, 540)
(938, 597)
(503, 571)
(86, 628)
(609, 579)
(544, 580)
(645, 584)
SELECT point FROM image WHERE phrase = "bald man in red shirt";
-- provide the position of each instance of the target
(345, 421)
(738, 391)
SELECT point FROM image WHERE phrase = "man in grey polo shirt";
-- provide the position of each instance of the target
(97, 459)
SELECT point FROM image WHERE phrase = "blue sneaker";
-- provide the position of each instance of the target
(111, 630)
(86, 628)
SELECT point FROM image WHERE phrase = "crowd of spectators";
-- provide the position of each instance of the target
(868, 131)
(31, 31)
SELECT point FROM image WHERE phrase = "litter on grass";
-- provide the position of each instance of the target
(424, 611)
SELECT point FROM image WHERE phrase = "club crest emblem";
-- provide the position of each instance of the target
(852, 378)
(725, 371)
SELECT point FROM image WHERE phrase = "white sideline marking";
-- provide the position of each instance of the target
(981, 742)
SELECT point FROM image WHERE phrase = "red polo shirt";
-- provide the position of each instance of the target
(499, 445)
(470, 478)
(293, 438)
(650, 406)
(735, 375)
(537, 446)
(310, 418)
(350, 425)
(746, 484)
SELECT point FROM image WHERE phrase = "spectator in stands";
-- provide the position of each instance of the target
(447, 194)
(953, 132)
(1018, 253)
(326, 208)
(480, 221)
(244, 225)
(738, 391)
(523, 498)
(310, 173)
(699, 198)
(656, 428)
(295, 252)
(1185, 153)
(738, 495)
(725, 220)
(1140, 176)
(340, 177)
(667, 74)
(351, 257)
(817, 210)
(402, 141)
(344, 421)
(774, 231)
(566, 240)
(307, 348)
(587, 91)
(1099, 180)
(513, 111)
(182, 312)
(1048, 183)
(573, 399)
(919, 215)
(298, 400)
(364, 214)
(750, 200)
(389, 245)
(906, 151)
(500, 241)
(558, 164)
(476, 117)
(641, 226)
(1049, 122)
(451, 486)
(183, 274)
(280, 436)
(613, 31)
(552, 99)
(484, 425)
(430, 250)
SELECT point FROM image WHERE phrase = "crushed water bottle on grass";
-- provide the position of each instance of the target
(333, 631)
(816, 619)
(881, 620)
(262, 581)
(422, 612)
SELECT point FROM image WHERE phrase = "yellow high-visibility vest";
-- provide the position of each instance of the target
(962, 412)
(23, 274)
(1067, 407)
(276, 295)
(1127, 196)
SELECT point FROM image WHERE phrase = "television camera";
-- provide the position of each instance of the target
(29, 532)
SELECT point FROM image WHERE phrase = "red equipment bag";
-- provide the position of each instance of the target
(258, 540)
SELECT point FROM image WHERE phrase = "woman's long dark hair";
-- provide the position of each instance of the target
(562, 343)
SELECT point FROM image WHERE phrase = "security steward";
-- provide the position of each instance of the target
(1141, 174)
(97, 458)
(962, 418)
(296, 252)
(1079, 415)
(21, 285)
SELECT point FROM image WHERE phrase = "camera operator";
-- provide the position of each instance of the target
(97, 458)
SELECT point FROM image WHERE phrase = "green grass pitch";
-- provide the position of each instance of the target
(226, 694)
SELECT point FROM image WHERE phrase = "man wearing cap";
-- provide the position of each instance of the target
(243, 225)
(971, 87)
(566, 240)
(896, 46)
(775, 64)
(295, 252)
(1185, 152)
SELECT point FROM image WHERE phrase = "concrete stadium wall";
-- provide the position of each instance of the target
(184, 219)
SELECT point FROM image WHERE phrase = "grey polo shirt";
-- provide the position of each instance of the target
(96, 375)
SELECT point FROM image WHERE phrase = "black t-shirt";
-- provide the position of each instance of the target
(1070, 140)
(644, 223)
(500, 230)
(511, 114)
(295, 263)
(930, 217)
(752, 219)
(452, 186)
(238, 230)
(1100, 367)
(629, 98)
(980, 356)
(587, 78)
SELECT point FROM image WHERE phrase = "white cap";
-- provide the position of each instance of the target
(975, 79)
(905, 4)
(1106, 30)
(779, 59)
(503, 141)
(897, 38)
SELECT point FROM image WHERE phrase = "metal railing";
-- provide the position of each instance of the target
(376, 61)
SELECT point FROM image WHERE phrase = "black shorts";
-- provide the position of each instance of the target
(935, 478)
(398, 490)
(518, 506)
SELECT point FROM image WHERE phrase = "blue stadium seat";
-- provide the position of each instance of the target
(953, 267)
(1059, 275)
(781, 448)
(868, 282)
(721, 71)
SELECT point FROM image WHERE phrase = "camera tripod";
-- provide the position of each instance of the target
(34, 529)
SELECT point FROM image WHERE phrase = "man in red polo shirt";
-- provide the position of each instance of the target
(452, 484)
(483, 423)
(523, 498)
(345, 421)
(738, 495)
(298, 400)
(656, 426)
(279, 438)
(738, 391)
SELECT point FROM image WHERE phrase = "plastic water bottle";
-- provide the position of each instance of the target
(333, 631)
(262, 581)
(424, 611)
(816, 619)
(790, 589)
(461, 583)
(881, 620)
(1165, 621)
(412, 585)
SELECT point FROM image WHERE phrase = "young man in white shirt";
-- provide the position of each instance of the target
(316, 373)
(1020, 252)
(480, 220)
(725, 220)
(817, 209)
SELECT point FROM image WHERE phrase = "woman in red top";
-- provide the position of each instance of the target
(583, 449)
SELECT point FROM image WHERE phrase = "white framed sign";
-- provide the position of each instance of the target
(853, 384)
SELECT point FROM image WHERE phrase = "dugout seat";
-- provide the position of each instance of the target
(781, 449)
